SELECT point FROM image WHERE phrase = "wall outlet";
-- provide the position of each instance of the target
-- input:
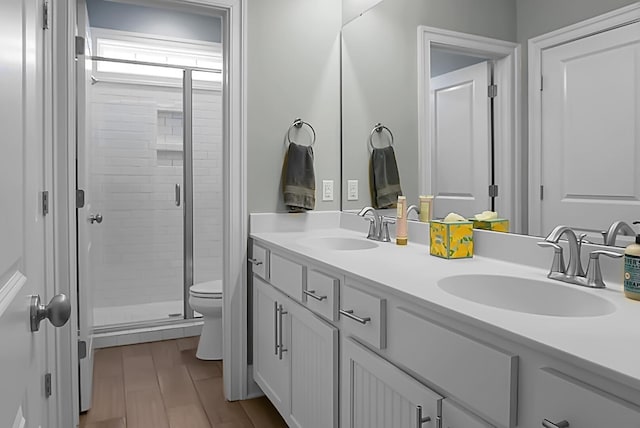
(352, 190)
(327, 190)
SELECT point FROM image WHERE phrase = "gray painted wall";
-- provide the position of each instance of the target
(443, 61)
(379, 73)
(293, 70)
(537, 17)
(153, 20)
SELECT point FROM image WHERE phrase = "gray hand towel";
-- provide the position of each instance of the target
(384, 178)
(299, 180)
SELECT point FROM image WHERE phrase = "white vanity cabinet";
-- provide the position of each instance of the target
(295, 352)
(375, 393)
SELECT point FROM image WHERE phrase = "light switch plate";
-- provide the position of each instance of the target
(352, 190)
(327, 190)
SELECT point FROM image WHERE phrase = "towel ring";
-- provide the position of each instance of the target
(378, 128)
(298, 124)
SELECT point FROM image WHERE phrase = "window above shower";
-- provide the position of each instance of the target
(145, 48)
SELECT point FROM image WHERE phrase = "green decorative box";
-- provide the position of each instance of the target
(497, 225)
(451, 240)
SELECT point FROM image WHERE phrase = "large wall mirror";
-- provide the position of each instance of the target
(383, 56)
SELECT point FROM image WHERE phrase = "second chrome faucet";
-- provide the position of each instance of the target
(573, 272)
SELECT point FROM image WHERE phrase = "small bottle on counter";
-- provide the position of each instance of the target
(401, 221)
(632, 270)
(426, 203)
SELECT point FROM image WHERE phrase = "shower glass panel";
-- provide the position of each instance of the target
(207, 177)
(137, 184)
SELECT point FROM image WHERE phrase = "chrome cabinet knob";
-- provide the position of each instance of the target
(57, 311)
(95, 218)
(548, 424)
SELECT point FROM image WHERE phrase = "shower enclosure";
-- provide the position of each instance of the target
(153, 177)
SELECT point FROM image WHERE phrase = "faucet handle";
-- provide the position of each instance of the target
(384, 228)
(557, 266)
(594, 274)
(372, 227)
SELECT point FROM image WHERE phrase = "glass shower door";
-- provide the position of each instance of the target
(137, 185)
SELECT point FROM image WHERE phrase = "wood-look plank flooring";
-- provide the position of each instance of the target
(164, 385)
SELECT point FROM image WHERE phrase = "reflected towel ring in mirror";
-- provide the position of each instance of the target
(378, 128)
(298, 124)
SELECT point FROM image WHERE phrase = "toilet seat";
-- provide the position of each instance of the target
(207, 290)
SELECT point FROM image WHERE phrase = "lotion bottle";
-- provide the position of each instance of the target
(426, 203)
(401, 221)
(632, 270)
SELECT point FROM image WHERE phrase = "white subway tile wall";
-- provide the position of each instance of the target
(136, 163)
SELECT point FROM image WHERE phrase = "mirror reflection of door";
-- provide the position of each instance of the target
(461, 166)
(590, 165)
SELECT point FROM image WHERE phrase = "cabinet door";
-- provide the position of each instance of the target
(376, 394)
(270, 372)
(314, 369)
(562, 398)
(454, 416)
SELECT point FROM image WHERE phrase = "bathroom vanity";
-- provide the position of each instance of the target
(355, 333)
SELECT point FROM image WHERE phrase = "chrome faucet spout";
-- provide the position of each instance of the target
(574, 267)
(616, 228)
(374, 227)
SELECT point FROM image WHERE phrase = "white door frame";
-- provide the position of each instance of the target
(537, 45)
(235, 211)
(507, 108)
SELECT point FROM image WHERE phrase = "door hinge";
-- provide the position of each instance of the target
(493, 190)
(82, 349)
(79, 198)
(541, 192)
(47, 385)
(493, 91)
(45, 15)
(541, 83)
(79, 45)
(45, 202)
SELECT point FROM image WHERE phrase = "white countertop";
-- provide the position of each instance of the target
(607, 344)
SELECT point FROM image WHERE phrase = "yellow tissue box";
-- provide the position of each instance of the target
(451, 240)
(497, 225)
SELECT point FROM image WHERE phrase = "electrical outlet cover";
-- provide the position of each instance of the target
(352, 190)
(327, 190)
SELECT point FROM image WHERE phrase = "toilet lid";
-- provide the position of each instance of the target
(211, 289)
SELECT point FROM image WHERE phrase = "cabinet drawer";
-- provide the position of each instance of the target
(287, 276)
(321, 294)
(562, 398)
(482, 377)
(259, 261)
(364, 315)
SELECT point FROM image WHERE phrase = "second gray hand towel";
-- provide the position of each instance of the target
(384, 178)
(299, 180)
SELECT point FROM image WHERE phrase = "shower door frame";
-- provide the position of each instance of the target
(187, 184)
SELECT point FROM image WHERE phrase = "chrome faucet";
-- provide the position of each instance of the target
(615, 229)
(378, 225)
(413, 208)
(573, 272)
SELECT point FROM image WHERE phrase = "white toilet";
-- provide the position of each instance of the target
(206, 298)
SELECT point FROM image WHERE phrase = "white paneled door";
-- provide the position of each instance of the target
(24, 355)
(460, 148)
(590, 169)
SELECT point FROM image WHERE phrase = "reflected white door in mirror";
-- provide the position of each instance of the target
(468, 131)
(584, 112)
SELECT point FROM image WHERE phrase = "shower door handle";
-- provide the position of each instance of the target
(177, 195)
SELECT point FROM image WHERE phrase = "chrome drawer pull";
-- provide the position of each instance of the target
(548, 424)
(255, 262)
(419, 419)
(281, 348)
(311, 293)
(276, 310)
(349, 314)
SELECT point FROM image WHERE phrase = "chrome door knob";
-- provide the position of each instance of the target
(95, 218)
(57, 311)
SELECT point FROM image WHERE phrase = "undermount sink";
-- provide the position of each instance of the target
(339, 243)
(526, 295)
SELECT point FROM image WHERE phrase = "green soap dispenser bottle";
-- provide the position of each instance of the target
(632, 269)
